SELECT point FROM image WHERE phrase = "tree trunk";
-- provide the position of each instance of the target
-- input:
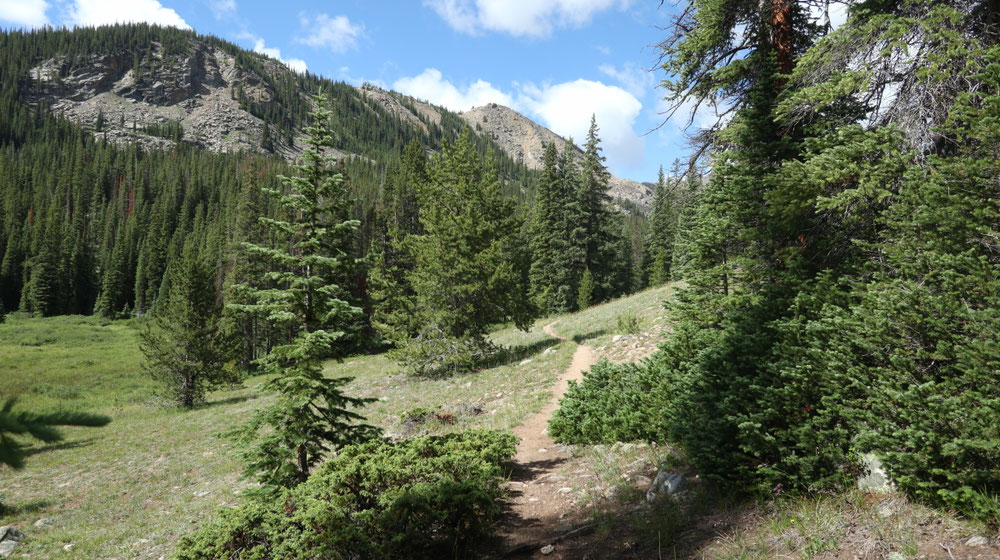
(781, 36)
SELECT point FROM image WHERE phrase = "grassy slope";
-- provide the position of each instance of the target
(132, 489)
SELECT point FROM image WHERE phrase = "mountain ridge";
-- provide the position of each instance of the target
(524, 140)
(204, 91)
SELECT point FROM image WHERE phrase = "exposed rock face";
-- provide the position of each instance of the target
(197, 90)
(394, 103)
(524, 140)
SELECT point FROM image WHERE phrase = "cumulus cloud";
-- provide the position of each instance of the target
(566, 109)
(635, 79)
(222, 8)
(336, 33)
(432, 86)
(27, 13)
(296, 64)
(105, 12)
(533, 18)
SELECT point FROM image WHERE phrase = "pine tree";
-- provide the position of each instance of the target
(599, 230)
(310, 416)
(266, 143)
(661, 233)
(570, 240)
(184, 351)
(470, 264)
(546, 230)
(586, 294)
(398, 217)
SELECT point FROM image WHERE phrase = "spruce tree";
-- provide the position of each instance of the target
(311, 415)
(570, 240)
(470, 264)
(183, 346)
(661, 234)
(599, 230)
(398, 217)
(546, 232)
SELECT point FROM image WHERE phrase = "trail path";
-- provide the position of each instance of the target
(541, 486)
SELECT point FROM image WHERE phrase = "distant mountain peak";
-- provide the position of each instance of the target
(524, 140)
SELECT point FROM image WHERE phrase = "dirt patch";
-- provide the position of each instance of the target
(546, 479)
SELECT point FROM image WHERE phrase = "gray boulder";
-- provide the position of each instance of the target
(8, 540)
(665, 483)
(977, 541)
(876, 478)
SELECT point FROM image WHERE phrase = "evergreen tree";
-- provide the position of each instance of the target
(599, 231)
(266, 143)
(310, 416)
(184, 351)
(398, 217)
(470, 264)
(546, 233)
(587, 287)
(569, 257)
(661, 234)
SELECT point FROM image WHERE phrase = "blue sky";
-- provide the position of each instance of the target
(556, 61)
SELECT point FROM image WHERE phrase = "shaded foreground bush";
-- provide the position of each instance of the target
(429, 497)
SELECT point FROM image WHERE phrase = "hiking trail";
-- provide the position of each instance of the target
(541, 486)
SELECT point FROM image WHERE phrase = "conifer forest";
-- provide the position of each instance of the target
(248, 312)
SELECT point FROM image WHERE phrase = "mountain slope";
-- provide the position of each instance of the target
(524, 140)
(160, 86)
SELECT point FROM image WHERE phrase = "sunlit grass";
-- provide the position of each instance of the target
(133, 488)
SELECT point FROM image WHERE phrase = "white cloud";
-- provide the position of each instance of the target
(534, 18)
(296, 64)
(566, 109)
(27, 13)
(633, 78)
(222, 8)
(105, 12)
(834, 13)
(431, 86)
(336, 33)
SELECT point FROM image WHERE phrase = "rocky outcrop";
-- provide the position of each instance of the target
(9, 537)
(405, 108)
(524, 140)
(198, 90)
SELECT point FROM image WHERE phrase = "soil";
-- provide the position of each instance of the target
(545, 479)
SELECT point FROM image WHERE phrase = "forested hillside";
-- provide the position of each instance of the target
(840, 257)
(112, 159)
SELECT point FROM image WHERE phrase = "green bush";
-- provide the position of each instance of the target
(628, 323)
(429, 497)
(613, 402)
(434, 353)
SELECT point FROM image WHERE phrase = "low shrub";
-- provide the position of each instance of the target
(613, 402)
(628, 323)
(434, 353)
(429, 497)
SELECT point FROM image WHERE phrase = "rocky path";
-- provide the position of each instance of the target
(541, 485)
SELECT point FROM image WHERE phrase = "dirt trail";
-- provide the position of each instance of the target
(541, 486)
